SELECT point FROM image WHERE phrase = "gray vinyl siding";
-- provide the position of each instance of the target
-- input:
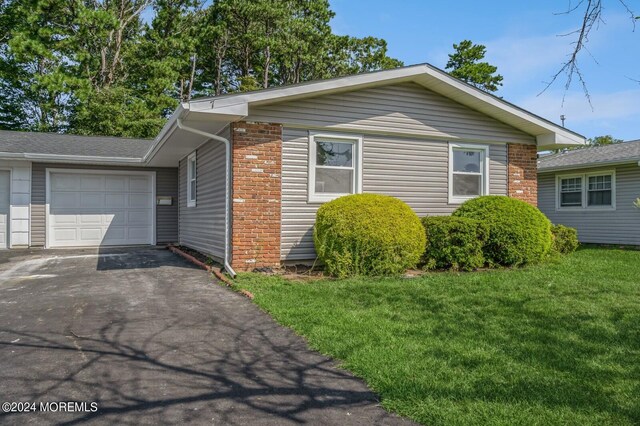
(404, 109)
(414, 170)
(166, 185)
(202, 226)
(620, 226)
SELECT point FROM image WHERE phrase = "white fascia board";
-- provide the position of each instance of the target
(555, 141)
(71, 158)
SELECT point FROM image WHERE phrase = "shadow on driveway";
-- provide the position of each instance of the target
(160, 343)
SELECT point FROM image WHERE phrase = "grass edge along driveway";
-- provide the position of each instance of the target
(551, 344)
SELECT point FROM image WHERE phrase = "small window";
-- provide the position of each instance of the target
(468, 171)
(571, 192)
(333, 166)
(191, 180)
(599, 191)
(587, 190)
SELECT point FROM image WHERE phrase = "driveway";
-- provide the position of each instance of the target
(151, 339)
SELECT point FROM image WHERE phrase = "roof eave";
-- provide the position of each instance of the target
(73, 159)
(591, 165)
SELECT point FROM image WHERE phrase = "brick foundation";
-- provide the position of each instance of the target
(523, 173)
(257, 168)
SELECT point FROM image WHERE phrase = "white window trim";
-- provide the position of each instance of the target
(585, 180)
(356, 140)
(191, 198)
(484, 149)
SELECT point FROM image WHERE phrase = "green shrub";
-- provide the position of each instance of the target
(454, 242)
(368, 234)
(565, 239)
(518, 232)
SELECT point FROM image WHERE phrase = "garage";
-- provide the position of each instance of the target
(5, 191)
(99, 208)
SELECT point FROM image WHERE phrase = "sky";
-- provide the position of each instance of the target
(524, 40)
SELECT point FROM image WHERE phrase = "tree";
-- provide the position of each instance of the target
(603, 140)
(592, 17)
(465, 64)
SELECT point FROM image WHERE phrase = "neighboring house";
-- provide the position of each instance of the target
(240, 176)
(593, 190)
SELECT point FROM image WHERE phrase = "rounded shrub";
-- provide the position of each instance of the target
(454, 242)
(368, 234)
(518, 232)
(565, 239)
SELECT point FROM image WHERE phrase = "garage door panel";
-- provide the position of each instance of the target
(116, 201)
(65, 182)
(107, 210)
(65, 199)
(140, 184)
(139, 200)
(92, 183)
(116, 183)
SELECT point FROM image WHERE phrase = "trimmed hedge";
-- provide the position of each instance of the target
(518, 232)
(565, 239)
(454, 242)
(368, 234)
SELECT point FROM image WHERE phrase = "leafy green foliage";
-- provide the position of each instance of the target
(552, 344)
(565, 239)
(92, 67)
(454, 242)
(603, 140)
(466, 64)
(518, 232)
(368, 234)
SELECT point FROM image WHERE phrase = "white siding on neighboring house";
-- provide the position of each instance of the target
(202, 226)
(619, 226)
(20, 200)
(403, 109)
(414, 170)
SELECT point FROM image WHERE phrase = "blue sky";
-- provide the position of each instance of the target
(523, 41)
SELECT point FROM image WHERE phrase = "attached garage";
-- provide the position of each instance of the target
(99, 208)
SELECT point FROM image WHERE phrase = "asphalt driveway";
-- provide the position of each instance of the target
(151, 339)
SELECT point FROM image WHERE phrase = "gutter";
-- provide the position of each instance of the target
(227, 189)
(71, 158)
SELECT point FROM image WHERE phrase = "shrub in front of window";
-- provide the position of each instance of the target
(565, 239)
(454, 243)
(368, 234)
(518, 232)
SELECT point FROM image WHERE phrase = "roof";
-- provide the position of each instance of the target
(44, 145)
(626, 152)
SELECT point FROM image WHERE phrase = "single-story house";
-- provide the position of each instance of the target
(240, 176)
(594, 190)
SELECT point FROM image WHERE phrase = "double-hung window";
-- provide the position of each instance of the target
(191, 180)
(468, 171)
(588, 190)
(334, 166)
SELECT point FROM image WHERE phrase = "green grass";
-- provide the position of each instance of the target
(552, 344)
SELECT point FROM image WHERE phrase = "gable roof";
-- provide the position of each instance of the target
(621, 153)
(35, 145)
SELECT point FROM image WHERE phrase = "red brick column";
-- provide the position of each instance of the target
(523, 172)
(257, 167)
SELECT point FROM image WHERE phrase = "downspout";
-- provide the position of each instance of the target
(227, 188)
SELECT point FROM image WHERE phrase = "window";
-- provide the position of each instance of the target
(468, 171)
(599, 191)
(191, 180)
(571, 192)
(334, 166)
(589, 190)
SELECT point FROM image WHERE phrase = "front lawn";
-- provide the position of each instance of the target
(552, 344)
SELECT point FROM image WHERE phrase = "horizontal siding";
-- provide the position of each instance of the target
(202, 226)
(620, 226)
(166, 185)
(414, 170)
(404, 109)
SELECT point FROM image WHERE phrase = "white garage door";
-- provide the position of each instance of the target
(4, 207)
(93, 209)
